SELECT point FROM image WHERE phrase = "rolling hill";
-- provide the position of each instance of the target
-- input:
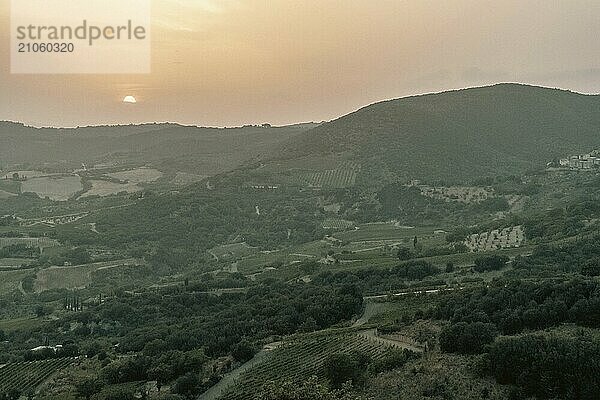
(205, 150)
(458, 135)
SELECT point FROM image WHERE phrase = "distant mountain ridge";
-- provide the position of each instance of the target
(203, 150)
(485, 131)
(451, 136)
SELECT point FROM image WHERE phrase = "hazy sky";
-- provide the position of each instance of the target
(232, 62)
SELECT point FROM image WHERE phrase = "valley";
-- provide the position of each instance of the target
(161, 260)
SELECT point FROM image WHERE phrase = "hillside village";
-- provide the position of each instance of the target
(581, 162)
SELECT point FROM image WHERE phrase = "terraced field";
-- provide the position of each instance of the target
(39, 242)
(29, 375)
(337, 224)
(333, 178)
(298, 360)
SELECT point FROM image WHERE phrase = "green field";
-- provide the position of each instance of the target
(385, 231)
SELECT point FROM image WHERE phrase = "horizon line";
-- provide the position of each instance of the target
(192, 125)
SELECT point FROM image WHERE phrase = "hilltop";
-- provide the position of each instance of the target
(457, 135)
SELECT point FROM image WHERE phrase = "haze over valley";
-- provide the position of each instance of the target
(349, 200)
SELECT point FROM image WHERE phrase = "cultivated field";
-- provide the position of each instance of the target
(337, 224)
(332, 178)
(39, 242)
(183, 178)
(130, 182)
(29, 375)
(297, 360)
(374, 243)
(139, 175)
(386, 231)
(22, 323)
(74, 277)
(58, 188)
(106, 188)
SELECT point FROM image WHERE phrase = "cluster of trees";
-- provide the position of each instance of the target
(381, 279)
(398, 201)
(547, 367)
(491, 204)
(542, 365)
(177, 230)
(7, 220)
(580, 256)
(175, 331)
(515, 306)
(490, 263)
(561, 222)
(153, 365)
(467, 338)
(220, 323)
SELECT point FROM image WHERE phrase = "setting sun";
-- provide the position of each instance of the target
(129, 100)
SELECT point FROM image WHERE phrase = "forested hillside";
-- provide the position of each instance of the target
(485, 131)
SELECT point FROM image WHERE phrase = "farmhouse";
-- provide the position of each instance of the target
(56, 348)
(265, 187)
